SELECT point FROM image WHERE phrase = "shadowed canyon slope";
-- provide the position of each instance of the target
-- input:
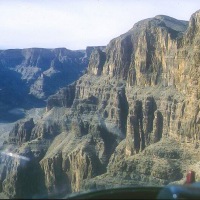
(132, 119)
(29, 76)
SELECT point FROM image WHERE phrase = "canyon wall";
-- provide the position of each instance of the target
(132, 119)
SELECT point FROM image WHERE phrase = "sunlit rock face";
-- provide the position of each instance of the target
(133, 118)
(97, 60)
(145, 54)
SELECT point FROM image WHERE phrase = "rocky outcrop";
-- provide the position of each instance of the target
(132, 119)
(145, 54)
(77, 158)
(64, 97)
(21, 132)
(22, 175)
(97, 60)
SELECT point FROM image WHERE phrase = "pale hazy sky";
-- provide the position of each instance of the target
(75, 24)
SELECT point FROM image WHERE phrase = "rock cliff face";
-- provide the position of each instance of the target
(21, 132)
(132, 119)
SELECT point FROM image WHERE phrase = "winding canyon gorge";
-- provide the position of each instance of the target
(125, 114)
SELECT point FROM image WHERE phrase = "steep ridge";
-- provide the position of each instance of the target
(132, 119)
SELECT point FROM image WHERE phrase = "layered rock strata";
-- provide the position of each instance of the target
(133, 119)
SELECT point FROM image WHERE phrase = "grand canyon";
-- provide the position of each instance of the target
(124, 114)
